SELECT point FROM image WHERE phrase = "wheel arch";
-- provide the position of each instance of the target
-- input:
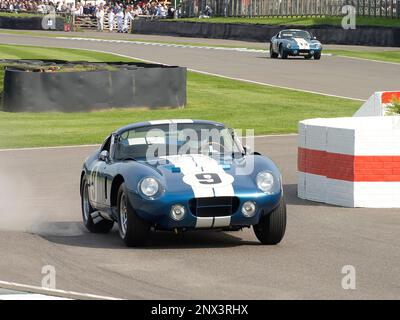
(83, 173)
(116, 183)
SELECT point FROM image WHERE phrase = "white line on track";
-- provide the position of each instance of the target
(29, 296)
(205, 72)
(54, 292)
(161, 44)
(364, 59)
(54, 147)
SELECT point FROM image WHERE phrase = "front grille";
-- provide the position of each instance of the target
(304, 51)
(214, 207)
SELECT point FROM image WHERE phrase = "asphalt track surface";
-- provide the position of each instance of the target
(348, 77)
(307, 264)
(42, 197)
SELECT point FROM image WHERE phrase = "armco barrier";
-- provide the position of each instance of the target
(369, 36)
(133, 85)
(351, 162)
(377, 104)
(28, 23)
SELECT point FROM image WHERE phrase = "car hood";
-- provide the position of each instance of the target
(205, 176)
(304, 43)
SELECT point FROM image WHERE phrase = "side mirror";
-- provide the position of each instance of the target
(247, 149)
(104, 156)
(314, 38)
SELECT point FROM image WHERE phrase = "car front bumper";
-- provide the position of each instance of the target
(302, 52)
(157, 211)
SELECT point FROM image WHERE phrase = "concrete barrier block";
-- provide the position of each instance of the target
(340, 140)
(316, 137)
(352, 162)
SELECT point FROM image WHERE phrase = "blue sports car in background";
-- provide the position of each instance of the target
(295, 43)
(180, 175)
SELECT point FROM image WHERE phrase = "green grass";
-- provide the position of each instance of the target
(241, 105)
(388, 55)
(301, 21)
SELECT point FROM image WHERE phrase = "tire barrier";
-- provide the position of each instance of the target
(127, 85)
(368, 36)
(350, 162)
(31, 23)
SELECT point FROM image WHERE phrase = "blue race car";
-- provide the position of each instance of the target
(295, 43)
(180, 175)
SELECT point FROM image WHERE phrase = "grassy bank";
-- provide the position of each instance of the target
(241, 105)
(302, 21)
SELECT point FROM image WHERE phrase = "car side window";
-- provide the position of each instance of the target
(107, 144)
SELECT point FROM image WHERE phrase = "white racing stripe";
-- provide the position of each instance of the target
(170, 121)
(204, 223)
(220, 222)
(303, 44)
(204, 174)
(200, 172)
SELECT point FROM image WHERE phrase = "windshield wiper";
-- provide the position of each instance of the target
(128, 159)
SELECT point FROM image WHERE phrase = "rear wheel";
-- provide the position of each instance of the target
(132, 229)
(272, 53)
(97, 224)
(282, 52)
(271, 227)
(317, 56)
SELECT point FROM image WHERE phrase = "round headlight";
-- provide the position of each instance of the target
(265, 181)
(249, 209)
(177, 212)
(288, 45)
(149, 187)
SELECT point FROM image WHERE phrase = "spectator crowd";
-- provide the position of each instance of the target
(118, 14)
(139, 7)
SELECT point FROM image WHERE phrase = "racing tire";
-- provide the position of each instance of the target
(282, 53)
(133, 230)
(271, 227)
(317, 56)
(272, 54)
(103, 226)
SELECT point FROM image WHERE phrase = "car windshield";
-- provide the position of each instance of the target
(157, 141)
(295, 34)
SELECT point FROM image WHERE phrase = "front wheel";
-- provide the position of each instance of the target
(94, 223)
(317, 56)
(272, 53)
(271, 227)
(283, 53)
(132, 229)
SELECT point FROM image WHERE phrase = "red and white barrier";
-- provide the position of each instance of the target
(376, 105)
(351, 162)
